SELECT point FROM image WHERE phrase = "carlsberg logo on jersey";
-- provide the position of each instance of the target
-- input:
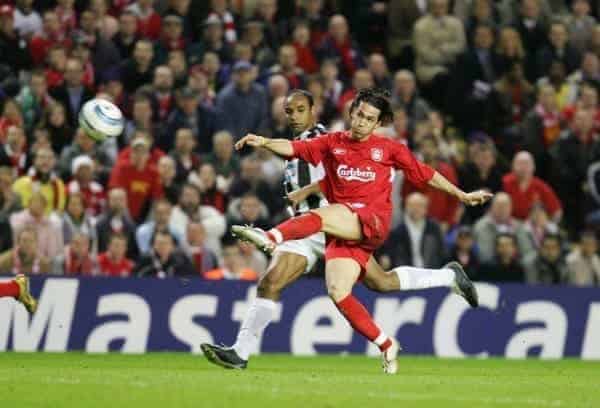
(350, 173)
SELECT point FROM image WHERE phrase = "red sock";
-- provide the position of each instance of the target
(297, 228)
(361, 321)
(9, 289)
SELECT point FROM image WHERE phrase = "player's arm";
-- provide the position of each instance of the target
(281, 147)
(474, 198)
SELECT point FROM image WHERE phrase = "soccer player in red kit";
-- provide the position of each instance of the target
(18, 288)
(359, 169)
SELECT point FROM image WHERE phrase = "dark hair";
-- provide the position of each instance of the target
(301, 92)
(378, 98)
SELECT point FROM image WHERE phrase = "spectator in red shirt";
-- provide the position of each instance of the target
(51, 35)
(94, 197)
(155, 152)
(442, 207)
(339, 45)
(196, 250)
(306, 57)
(149, 22)
(66, 15)
(526, 190)
(77, 259)
(57, 64)
(113, 262)
(288, 67)
(139, 178)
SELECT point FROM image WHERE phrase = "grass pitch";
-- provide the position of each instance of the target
(183, 380)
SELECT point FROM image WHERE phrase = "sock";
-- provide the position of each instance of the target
(296, 228)
(361, 321)
(9, 289)
(422, 278)
(257, 318)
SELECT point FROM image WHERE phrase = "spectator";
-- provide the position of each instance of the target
(92, 192)
(248, 210)
(186, 160)
(114, 262)
(142, 118)
(212, 41)
(338, 45)
(72, 94)
(13, 46)
(331, 82)
(202, 121)
(24, 257)
(571, 156)
(216, 74)
(498, 221)
(472, 79)
(277, 127)
(56, 66)
(566, 92)
(558, 48)
(221, 12)
(59, 129)
(438, 39)
(148, 20)
(589, 71)
(166, 174)
(199, 82)
(50, 35)
(464, 251)
(233, 265)
(160, 221)
(526, 190)
(505, 265)
(442, 208)
(548, 266)
(6, 238)
(190, 209)
(139, 178)
(137, 70)
(13, 153)
(541, 129)
(47, 227)
(588, 101)
(538, 226)
(196, 250)
(254, 36)
(164, 260)
(583, 262)
(67, 16)
(41, 178)
(402, 16)
(83, 145)
(307, 60)
(251, 179)
(33, 99)
(163, 92)
(312, 11)
(511, 98)
(76, 221)
(210, 186)
(288, 67)
(171, 38)
(223, 157)
(27, 20)
(10, 202)
(176, 61)
(580, 25)
(481, 172)
(377, 65)
(361, 79)
(127, 36)
(116, 220)
(509, 49)
(405, 96)
(243, 103)
(77, 259)
(418, 241)
(11, 116)
(533, 32)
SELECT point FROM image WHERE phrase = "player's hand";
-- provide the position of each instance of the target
(476, 197)
(296, 197)
(251, 140)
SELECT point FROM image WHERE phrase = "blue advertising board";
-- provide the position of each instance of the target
(139, 315)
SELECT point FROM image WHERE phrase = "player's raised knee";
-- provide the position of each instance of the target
(336, 292)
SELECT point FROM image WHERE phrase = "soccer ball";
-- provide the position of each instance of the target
(101, 119)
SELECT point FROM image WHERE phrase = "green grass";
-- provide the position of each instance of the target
(183, 380)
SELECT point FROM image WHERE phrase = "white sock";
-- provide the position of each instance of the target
(258, 317)
(422, 278)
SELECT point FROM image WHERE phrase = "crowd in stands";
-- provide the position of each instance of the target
(501, 95)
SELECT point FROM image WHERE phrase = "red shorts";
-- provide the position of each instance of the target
(375, 228)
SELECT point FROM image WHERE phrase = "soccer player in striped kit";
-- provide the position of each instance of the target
(293, 258)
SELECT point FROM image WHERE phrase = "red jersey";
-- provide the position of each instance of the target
(142, 186)
(536, 192)
(360, 174)
(108, 267)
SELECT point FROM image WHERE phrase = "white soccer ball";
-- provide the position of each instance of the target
(101, 119)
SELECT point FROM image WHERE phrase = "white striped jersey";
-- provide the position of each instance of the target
(299, 173)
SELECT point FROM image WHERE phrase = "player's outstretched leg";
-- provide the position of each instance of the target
(335, 220)
(285, 268)
(452, 275)
(18, 288)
